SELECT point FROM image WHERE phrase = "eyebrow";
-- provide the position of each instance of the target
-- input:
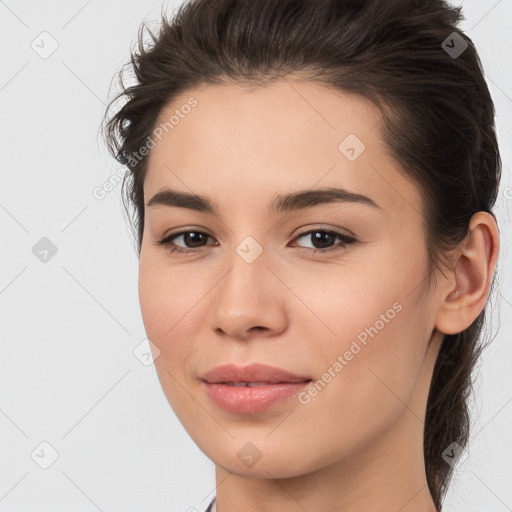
(281, 203)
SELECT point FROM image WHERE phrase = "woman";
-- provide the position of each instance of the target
(312, 185)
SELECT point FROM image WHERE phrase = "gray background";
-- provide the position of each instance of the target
(69, 326)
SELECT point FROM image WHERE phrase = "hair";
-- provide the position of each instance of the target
(437, 123)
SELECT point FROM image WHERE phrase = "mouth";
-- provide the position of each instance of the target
(252, 384)
(251, 389)
(252, 374)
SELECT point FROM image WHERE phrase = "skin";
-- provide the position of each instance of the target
(359, 441)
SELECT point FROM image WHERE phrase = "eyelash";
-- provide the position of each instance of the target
(347, 240)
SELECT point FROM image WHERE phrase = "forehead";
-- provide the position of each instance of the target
(285, 135)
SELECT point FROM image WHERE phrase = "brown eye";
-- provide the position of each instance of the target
(190, 239)
(322, 240)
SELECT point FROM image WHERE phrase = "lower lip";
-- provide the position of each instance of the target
(250, 400)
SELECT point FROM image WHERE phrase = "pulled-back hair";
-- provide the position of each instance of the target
(405, 56)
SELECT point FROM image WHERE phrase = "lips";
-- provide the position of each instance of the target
(254, 374)
(247, 384)
(251, 389)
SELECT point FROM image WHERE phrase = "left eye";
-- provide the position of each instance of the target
(322, 238)
(193, 240)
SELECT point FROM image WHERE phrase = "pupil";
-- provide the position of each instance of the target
(323, 238)
(192, 238)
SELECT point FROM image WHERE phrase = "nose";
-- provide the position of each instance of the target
(249, 301)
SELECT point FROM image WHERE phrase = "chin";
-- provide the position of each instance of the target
(261, 459)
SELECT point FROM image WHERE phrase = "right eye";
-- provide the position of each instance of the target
(194, 238)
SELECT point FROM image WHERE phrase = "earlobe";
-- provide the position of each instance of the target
(465, 294)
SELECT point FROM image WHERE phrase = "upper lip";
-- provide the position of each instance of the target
(255, 372)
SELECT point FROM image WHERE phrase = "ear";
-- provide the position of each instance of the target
(463, 296)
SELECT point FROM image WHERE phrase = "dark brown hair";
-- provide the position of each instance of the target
(405, 56)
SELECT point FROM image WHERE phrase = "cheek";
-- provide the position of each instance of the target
(342, 302)
(172, 303)
(151, 293)
(167, 297)
(167, 314)
(374, 335)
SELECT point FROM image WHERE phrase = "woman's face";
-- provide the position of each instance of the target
(350, 318)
